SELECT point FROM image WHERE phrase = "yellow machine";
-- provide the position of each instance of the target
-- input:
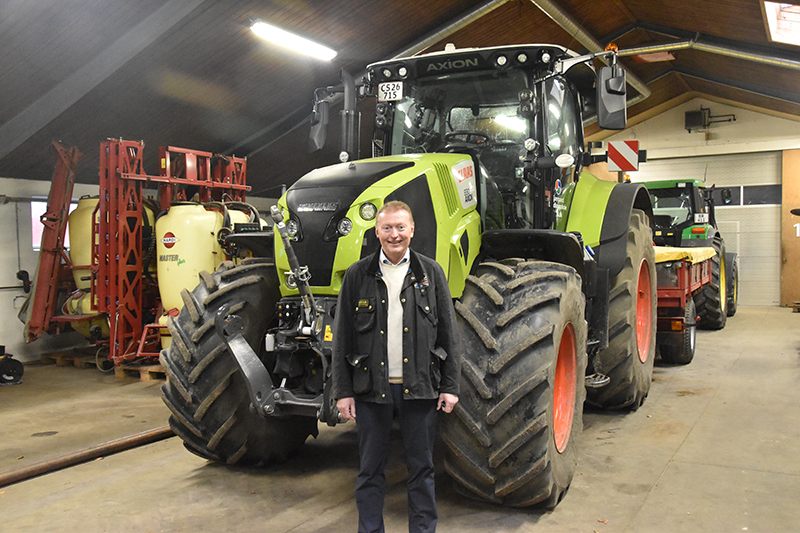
(188, 241)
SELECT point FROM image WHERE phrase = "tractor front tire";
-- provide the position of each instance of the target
(712, 301)
(512, 437)
(205, 390)
(628, 359)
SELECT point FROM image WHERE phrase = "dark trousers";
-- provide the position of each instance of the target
(418, 427)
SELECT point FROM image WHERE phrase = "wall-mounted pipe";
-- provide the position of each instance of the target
(702, 46)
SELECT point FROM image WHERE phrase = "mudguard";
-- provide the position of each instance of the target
(546, 245)
(624, 199)
(601, 212)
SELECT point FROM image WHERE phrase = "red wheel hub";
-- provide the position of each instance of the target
(564, 388)
(644, 311)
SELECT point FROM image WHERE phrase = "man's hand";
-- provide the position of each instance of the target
(446, 402)
(347, 408)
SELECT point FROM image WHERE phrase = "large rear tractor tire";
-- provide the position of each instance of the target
(683, 353)
(512, 437)
(712, 300)
(628, 359)
(205, 389)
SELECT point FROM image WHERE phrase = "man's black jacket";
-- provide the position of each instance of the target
(431, 360)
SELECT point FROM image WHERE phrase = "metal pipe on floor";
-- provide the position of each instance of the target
(82, 456)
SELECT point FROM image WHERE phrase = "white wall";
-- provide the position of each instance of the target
(664, 136)
(16, 253)
(752, 231)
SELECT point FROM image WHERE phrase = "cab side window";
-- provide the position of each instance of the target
(564, 132)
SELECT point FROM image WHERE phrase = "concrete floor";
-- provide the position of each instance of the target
(716, 447)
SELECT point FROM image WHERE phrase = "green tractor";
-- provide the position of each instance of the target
(552, 270)
(683, 212)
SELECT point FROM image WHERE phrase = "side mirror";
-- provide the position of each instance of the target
(727, 197)
(612, 112)
(319, 125)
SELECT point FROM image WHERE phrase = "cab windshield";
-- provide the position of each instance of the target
(460, 111)
(490, 115)
(671, 206)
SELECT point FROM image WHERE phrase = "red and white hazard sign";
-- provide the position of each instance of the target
(623, 156)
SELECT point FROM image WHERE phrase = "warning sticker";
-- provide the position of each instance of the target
(464, 177)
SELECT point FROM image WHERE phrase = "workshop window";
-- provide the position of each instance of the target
(37, 228)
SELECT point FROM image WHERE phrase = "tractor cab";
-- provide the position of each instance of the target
(516, 110)
(682, 212)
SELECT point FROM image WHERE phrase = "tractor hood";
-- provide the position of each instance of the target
(312, 192)
(323, 209)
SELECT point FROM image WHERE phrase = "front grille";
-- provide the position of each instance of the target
(312, 250)
(319, 200)
(448, 187)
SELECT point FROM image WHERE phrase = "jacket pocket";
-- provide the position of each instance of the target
(427, 322)
(362, 377)
(438, 355)
(365, 315)
(426, 308)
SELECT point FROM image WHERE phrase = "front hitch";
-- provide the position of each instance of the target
(267, 400)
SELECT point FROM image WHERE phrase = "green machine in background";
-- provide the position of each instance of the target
(684, 216)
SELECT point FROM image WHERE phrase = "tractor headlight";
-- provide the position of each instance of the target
(292, 228)
(345, 226)
(368, 211)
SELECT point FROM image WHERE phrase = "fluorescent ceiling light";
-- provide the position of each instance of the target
(294, 42)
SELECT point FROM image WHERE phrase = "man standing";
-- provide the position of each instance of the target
(395, 356)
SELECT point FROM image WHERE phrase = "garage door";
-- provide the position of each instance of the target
(751, 225)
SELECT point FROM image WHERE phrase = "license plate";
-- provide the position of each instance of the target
(390, 91)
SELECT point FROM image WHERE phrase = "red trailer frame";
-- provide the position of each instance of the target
(680, 274)
(54, 263)
(672, 299)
